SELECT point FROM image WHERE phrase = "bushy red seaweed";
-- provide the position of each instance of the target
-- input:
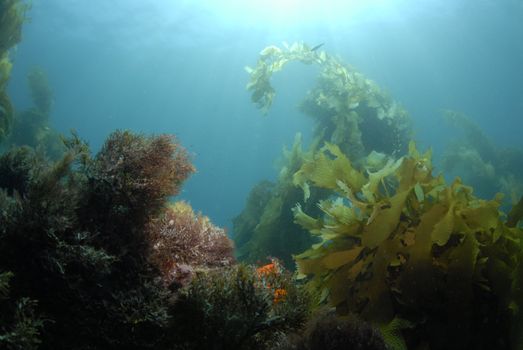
(182, 240)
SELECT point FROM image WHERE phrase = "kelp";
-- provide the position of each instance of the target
(12, 15)
(516, 214)
(482, 163)
(350, 109)
(403, 243)
(31, 127)
(265, 226)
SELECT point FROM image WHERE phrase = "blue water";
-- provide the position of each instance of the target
(178, 67)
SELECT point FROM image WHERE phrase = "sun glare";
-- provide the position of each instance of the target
(293, 12)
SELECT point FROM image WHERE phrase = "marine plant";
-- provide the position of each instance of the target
(12, 16)
(485, 165)
(397, 243)
(182, 241)
(265, 227)
(236, 308)
(19, 326)
(31, 127)
(349, 110)
(130, 180)
(73, 233)
(327, 331)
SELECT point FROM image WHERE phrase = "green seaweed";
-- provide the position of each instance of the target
(350, 112)
(483, 164)
(405, 244)
(236, 308)
(265, 227)
(12, 16)
(31, 127)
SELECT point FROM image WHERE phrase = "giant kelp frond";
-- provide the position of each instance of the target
(353, 110)
(41, 92)
(482, 163)
(273, 59)
(12, 13)
(352, 114)
(400, 241)
(516, 214)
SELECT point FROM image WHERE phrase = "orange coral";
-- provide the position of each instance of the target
(279, 295)
(268, 275)
(268, 269)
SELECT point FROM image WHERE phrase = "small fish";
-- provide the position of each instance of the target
(317, 47)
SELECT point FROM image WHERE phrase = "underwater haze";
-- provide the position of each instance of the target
(178, 67)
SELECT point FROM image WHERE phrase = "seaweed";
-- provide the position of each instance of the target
(73, 234)
(182, 241)
(265, 228)
(24, 326)
(12, 16)
(238, 307)
(486, 166)
(31, 127)
(326, 331)
(405, 244)
(349, 110)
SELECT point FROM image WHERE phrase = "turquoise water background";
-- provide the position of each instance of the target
(178, 67)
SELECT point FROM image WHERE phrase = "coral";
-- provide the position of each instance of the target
(398, 242)
(181, 241)
(232, 308)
